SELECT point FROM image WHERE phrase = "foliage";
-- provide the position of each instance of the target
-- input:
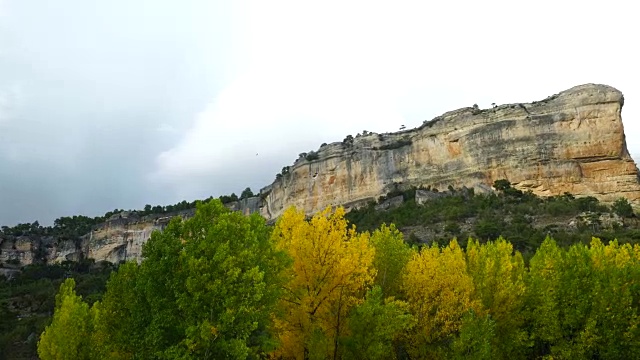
(583, 303)
(120, 306)
(225, 199)
(348, 140)
(246, 193)
(498, 277)
(66, 337)
(332, 265)
(222, 285)
(439, 292)
(311, 156)
(523, 218)
(395, 145)
(28, 300)
(476, 339)
(391, 257)
(376, 326)
(622, 208)
(205, 290)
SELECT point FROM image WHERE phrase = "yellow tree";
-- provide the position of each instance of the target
(332, 266)
(439, 291)
(498, 277)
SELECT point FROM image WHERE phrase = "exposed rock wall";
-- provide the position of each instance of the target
(570, 142)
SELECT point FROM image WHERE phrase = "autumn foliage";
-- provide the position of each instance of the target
(222, 285)
(332, 267)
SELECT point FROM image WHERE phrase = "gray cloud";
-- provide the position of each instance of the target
(85, 89)
(117, 103)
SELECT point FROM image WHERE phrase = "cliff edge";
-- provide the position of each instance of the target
(570, 142)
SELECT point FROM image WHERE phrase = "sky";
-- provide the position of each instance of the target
(110, 104)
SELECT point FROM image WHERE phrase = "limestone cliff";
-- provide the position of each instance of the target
(570, 142)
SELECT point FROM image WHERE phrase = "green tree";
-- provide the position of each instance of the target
(584, 301)
(391, 256)
(622, 208)
(542, 299)
(612, 326)
(231, 284)
(476, 339)
(501, 185)
(68, 336)
(498, 276)
(246, 193)
(376, 325)
(206, 290)
(121, 318)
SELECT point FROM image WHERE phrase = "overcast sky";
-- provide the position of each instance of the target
(116, 104)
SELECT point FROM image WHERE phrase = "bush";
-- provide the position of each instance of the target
(395, 145)
(312, 155)
(622, 208)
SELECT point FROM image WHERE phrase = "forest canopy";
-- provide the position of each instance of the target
(223, 285)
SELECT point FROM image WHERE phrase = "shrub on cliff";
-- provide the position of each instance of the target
(312, 155)
(622, 208)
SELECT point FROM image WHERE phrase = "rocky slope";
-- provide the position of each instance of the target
(570, 142)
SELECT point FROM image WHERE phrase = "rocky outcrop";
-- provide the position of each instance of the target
(122, 236)
(570, 142)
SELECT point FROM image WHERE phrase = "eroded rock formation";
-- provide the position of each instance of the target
(570, 142)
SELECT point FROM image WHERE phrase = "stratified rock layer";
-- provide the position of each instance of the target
(570, 142)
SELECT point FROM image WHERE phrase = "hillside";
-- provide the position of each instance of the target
(572, 142)
(425, 216)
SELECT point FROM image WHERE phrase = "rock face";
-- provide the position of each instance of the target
(121, 237)
(570, 142)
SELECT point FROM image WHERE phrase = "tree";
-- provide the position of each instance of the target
(246, 193)
(67, 336)
(232, 272)
(375, 326)
(332, 266)
(391, 256)
(121, 318)
(622, 208)
(583, 302)
(612, 327)
(542, 299)
(439, 292)
(206, 289)
(498, 278)
(501, 185)
(476, 339)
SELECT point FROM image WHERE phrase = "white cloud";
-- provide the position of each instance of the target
(319, 71)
